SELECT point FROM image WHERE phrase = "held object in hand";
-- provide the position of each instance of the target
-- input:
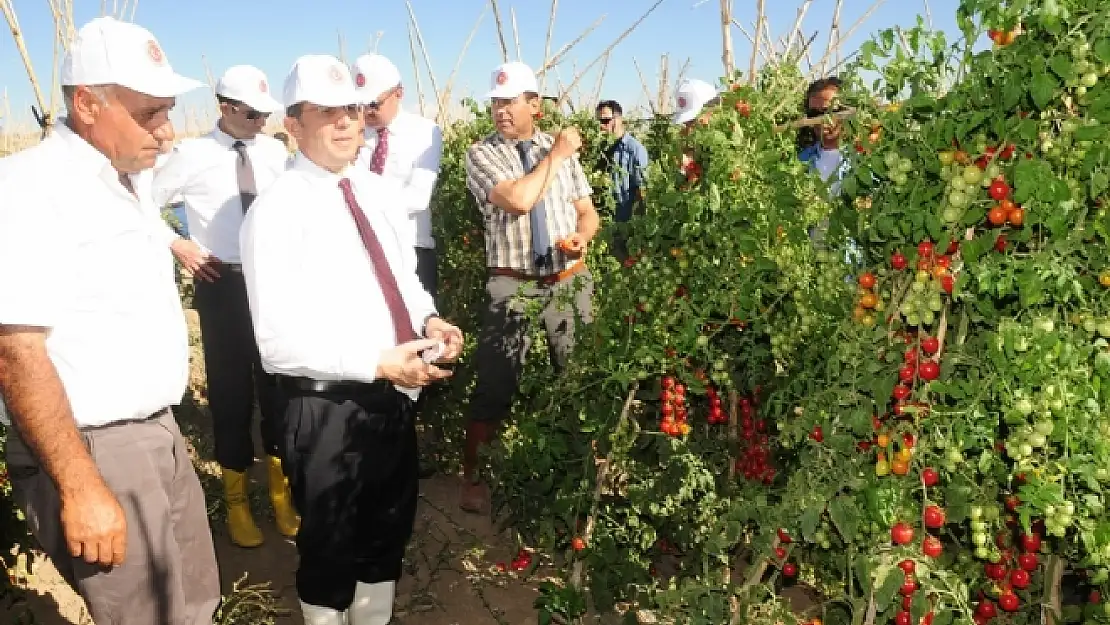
(433, 354)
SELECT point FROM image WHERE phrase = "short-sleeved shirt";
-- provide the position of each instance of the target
(80, 259)
(495, 159)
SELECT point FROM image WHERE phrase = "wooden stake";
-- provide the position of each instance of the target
(423, 48)
(664, 100)
(600, 81)
(797, 30)
(599, 485)
(416, 73)
(733, 432)
(726, 39)
(834, 35)
(643, 84)
(445, 98)
(847, 36)
(758, 38)
(17, 35)
(614, 44)
(516, 33)
(547, 43)
(558, 58)
(500, 31)
(762, 48)
(928, 15)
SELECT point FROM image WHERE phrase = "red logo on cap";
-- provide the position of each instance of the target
(681, 102)
(155, 52)
(502, 78)
(336, 75)
(263, 87)
(360, 80)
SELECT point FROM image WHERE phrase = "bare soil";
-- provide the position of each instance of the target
(451, 574)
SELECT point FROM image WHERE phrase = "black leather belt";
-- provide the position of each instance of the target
(331, 387)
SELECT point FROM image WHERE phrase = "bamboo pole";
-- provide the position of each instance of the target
(664, 100)
(342, 47)
(445, 97)
(558, 58)
(751, 40)
(847, 36)
(643, 84)
(500, 31)
(928, 15)
(416, 74)
(516, 33)
(547, 43)
(600, 81)
(726, 38)
(797, 30)
(21, 45)
(685, 67)
(834, 36)
(134, 6)
(609, 49)
(423, 48)
(758, 37)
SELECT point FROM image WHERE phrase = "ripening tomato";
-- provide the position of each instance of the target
(908, 587)
(1031, 542)
(999, 190)
(930, 477)
(1016, 217)
(578, 544)
(907, 566)
(932, 547)
(925, 249)
(994, 571)
(948, 283)
(996, 216)
(784, 537)
(906, 374)
(901, 392)
(898, 261)
(901, 533)
(934, 517)
(1019, 579)
(903, 618)
(1028, 561)
(928, 370)
(930, 345)
(790, 569)
(1007, 152)
(1009, 602)
(986, 609)
(867, 281)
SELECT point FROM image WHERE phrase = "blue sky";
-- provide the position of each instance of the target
(271, 34)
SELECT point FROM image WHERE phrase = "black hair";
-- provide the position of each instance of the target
(612, 105)
(807, 135)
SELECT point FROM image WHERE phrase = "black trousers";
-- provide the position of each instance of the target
(352, 466)
(234, 371)
(427, 271)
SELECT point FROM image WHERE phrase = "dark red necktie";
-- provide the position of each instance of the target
(377, 159)
(402, 321)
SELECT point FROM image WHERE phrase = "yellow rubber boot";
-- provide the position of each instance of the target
(285, 516)
(240, 524)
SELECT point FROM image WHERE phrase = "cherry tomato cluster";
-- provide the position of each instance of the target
(1009, 574)
(755, 455)
(1002, 38)
(908, 589)
(673, 397)
(717, 414)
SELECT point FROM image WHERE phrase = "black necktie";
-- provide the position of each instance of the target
(537, 217)
(248, 190)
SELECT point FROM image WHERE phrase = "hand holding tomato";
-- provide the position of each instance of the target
(573, 246)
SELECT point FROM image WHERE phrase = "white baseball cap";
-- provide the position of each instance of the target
(374, 75)
(320, 79)
(690, 97)
(107, 51)
(510, 80)
(248, 85)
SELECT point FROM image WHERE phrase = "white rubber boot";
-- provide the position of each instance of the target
(316, 615)
(373, 604)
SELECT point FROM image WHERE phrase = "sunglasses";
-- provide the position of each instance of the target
(352, 110)
(377, 104)
(818, 112)
(604, 121)
(252, 114)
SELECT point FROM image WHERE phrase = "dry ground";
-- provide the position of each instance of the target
(451, 573)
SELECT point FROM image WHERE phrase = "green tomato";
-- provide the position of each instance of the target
(928, 317)
(993, 171)
(1044, 324)
(891, 160)
(905, 165)
(913, 320)
(922, 276)
(703, 341)
(972, 175)
(1026, 450)
(1068, 509)
(991, 513)
(952, 215)
(976, 513)
(909, 307)
(957, 199)
(1104, 328)
(1068, 126)
(1090, 79)
(1090, 325)
(899, 178)
(1025, 407)
(1044, 428)
(946, 174)
(980, 539)
(982, 553)
(1037, 440)
(935, 303)
(958, 184)
(979, 526)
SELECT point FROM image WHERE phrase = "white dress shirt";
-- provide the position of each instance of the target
(80, 259)
(202, 172)
(415, 148)
(317, 308)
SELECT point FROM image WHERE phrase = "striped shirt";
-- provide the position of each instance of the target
(509, 237)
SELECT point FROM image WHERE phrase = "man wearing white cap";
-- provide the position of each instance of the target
(690, 98)
(95, 349)
(406, 148)
(219, 175)
(539, 218)
(338, 309)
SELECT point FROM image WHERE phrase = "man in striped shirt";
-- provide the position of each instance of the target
(539, 219)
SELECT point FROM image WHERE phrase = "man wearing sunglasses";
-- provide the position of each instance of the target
(627, 161)
(338, 313)
(218, 176)
(405, 148)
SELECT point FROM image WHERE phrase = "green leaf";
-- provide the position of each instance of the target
(1041, 89)
(1099, 183)
(892, 581)
(1102, 50)
(1090, 133)
(808, 523)
(1062, 65)
(843, 512)
(944, 617)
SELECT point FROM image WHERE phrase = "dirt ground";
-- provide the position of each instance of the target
(451, 573)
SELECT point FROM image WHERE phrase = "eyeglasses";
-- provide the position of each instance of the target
(252, 114)
(604, 121)
(377, 104)
(352, 110)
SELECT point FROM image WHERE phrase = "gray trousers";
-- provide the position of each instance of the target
(169, 576)
(505, 338)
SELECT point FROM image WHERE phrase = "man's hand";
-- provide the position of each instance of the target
(199, 263)
(567, 143)
(451, 337)
(574, 246)
(403, 365)
(94, 525)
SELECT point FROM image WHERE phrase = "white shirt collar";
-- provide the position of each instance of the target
(227, 140)
(82, 153)
(303, 164)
